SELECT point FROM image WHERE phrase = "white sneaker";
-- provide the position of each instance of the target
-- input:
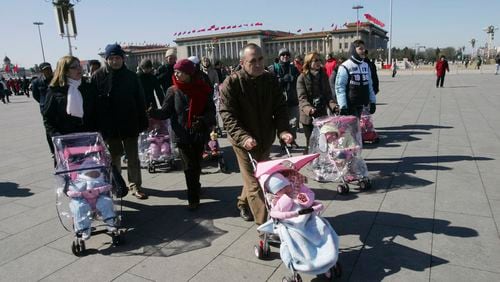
(86, 234)
(110, 225)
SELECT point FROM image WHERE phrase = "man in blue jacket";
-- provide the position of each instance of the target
(353, 85)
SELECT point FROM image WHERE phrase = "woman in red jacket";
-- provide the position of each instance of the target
(441, 68)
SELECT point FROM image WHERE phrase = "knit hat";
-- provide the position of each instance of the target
(276, 182)
(185, 66)
(194, 59)
(113, 50)
(283, 51)
(328, 128)
(170, 52)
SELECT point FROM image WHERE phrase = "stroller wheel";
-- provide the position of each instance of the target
(337, 270)
(78, 247)
(376, 140)
(287, 279)
(365, 184)
(343, 189)
(259, 252)
(117, 241)
(151, 168)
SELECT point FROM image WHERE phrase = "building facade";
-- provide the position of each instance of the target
(135, 54)
(226, 46)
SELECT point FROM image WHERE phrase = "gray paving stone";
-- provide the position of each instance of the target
(468, 241)
(490, 182)
(233, 267)
(3, 235)
(28, 219)
(35, 265)
(22, 243)
(183, 258)
(96, 267)
(395, 254)
(454, 273)
(11, 209)
(127, 277)
(395, 210)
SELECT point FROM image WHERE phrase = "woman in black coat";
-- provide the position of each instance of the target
(191, 110)
(70, 105)
(315, 95)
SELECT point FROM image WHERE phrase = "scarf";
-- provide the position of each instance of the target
(74, 106)
(197, 91)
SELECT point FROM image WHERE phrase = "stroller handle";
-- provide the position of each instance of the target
(253, 161)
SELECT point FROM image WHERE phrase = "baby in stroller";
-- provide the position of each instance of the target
(308, 242)
(89, 192)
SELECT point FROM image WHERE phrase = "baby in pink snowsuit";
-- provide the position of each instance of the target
(287, 202)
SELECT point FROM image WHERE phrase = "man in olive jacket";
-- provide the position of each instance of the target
(253, 110)
(122, 113)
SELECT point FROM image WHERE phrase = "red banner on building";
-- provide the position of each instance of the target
(374, 20)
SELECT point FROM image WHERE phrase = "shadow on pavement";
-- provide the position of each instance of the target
(400, 134)
(168, 230)
(10, 189)
(382, 244)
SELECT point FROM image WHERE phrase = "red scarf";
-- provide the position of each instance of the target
(197, 91)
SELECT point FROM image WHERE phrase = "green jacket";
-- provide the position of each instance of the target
(253, 107)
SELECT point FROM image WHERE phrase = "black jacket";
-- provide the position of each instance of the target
(287, 75)
(164, 76)
(373, 70)
(57, 121)
(122, 109)
(39, 88)
(151, 87)
(175, 106)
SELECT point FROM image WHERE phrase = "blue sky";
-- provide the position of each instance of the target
(430, 23)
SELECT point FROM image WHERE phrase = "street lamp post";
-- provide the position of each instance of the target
(38, 24)
(390, 34)
(357, 7)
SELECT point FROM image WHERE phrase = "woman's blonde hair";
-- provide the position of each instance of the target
(62, 69)
(308, 61)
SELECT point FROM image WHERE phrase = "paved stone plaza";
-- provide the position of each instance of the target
(433, 212)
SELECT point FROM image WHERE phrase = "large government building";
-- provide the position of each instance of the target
(226, 46)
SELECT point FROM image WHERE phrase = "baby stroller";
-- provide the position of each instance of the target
(213, 152)
(155, 152)
(84, 185)
(308, 243)
(218, 119)
(368, 133)
(338, 141)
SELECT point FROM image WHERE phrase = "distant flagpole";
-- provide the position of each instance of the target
(390, 33)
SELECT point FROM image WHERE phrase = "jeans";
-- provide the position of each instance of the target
(440, 81)
(82, 212)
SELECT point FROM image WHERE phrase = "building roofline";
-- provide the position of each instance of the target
(232, 34)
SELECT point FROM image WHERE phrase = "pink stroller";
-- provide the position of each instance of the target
(368, 133)
(85, 186)
(155, 152)
(338, 141)
(308, 243)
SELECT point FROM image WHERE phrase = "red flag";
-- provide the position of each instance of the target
(299, 30)
(332, 25)
(16, 68)
(374, 20)
(217, 28)
(240, 25)
(234, 26)
(251, 24)
(345, 24)
(245, 24)
(258, 23)
(212, 26)
(175, 34)
(228, 27)
(310, 29)
(189, 32)
(7, 68)
(336, 27)
(222, 27)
